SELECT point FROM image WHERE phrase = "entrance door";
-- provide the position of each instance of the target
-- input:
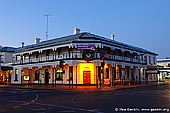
(46, 76)
(86, 77)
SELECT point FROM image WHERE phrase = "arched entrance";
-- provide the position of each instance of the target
(47, 75)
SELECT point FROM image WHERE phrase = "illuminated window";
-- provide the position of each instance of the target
(150, 76)
(16, 75)
(107, 73)
(59, 74)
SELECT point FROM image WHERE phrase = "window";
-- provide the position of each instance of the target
(149, 59)
(127, 73)
(108, 50)
(145, 58)
(150, 76)
(16, 75)
(154, 60)
(47, 53)
(2, 58)
(37, 73)
(107, 73)
(37, 55)
(59, 74)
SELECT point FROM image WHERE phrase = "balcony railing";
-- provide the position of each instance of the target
(75, 56)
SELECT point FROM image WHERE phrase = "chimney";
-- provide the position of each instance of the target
(37, 40)
(112, 36)
(22, 44)
(76, 30)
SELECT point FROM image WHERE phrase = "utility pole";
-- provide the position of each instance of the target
(46, 33)
(0, 62)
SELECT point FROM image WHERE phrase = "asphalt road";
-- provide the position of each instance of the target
(142, 99)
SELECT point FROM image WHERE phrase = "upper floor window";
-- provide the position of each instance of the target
(47, 53)
(154, 60)
(2, 58)
(36, 54)
(117, 52)
(16, 75)
(149, 59)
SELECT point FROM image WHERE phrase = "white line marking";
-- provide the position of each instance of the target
(25, 104)
(38, 109)
(36, 98)
(16, 107)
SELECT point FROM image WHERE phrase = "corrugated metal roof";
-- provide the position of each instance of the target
(83, 35)
(163, 60)
(7, 49)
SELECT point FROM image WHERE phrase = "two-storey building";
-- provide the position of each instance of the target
(6, 64)
(82, 59)
(164, 68)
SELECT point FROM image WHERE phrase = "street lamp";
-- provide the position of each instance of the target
(102, 71)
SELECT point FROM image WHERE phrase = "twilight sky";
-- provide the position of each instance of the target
(142, 23)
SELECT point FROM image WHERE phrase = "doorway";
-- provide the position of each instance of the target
(47, 75)
(86, 77)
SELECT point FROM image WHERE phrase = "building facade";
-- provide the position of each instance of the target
(164, 69)
(82, 59)
(6, 64)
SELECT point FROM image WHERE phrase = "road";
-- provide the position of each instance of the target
(142, 99)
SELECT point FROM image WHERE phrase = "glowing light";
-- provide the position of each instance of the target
(26, 77)
(86, 67)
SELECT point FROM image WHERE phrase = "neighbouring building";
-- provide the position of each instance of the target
(82, 59)
(164, 68)
(6, 64)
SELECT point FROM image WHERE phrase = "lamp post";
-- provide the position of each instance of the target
(102, 71)
(0, 62)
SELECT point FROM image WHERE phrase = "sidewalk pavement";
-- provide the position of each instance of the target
(84, 88)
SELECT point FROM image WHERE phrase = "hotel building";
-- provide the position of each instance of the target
(82, 59)
(164, 69)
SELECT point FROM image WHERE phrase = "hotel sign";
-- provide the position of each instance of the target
(85, 46)
(107, 56)
(152, 71)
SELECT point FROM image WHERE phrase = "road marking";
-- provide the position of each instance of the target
(67, 107)
(16, 107)
(26, 103)
(38, 109)
(96, 111)
(36, 98)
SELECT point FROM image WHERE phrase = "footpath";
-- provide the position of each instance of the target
(84, 88)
